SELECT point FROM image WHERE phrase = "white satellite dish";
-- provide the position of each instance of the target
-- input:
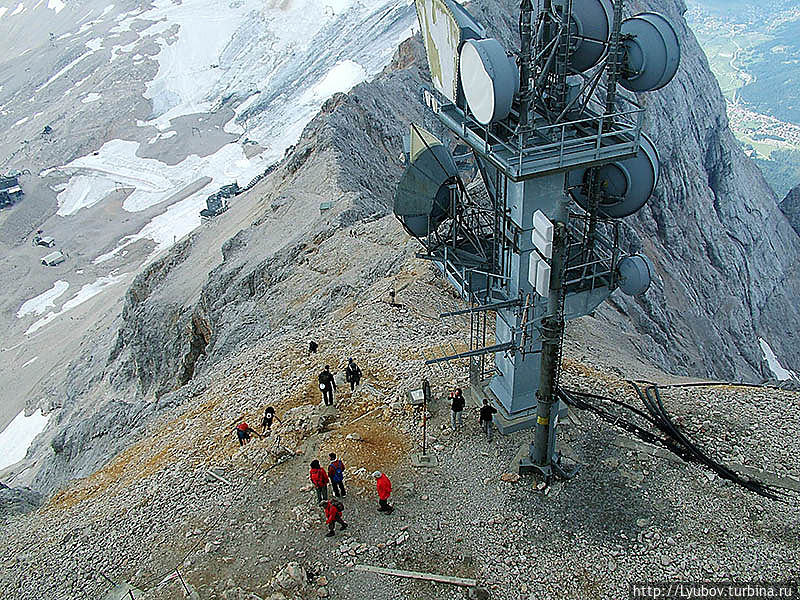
(489, 80)
(444, 25)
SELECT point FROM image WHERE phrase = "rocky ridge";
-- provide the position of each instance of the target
(725, 255)
(292, 270)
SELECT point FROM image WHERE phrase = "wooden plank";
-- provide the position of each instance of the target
(461, 581)
(220, 478)
(367, 413)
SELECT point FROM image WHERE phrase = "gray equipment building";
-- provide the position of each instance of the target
(10, 190)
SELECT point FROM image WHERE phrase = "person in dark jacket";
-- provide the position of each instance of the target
(319, 478)
(243, 433)
(266, 421)
(384, 491)
(456, 408)
(327, 385)
(312, 347)
(333, 515)
(352, 374)
(336, 475)
(486, 418)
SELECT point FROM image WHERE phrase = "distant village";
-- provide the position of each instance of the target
(758, 125)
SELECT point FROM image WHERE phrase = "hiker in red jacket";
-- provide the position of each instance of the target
(244, 431)
(333, 515)
(384, 491)
(319, 478)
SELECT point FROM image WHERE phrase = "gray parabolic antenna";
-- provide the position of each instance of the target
(625, 185)
(635, 273)
(652, 52)
(422, 199)
(488, 79)
(592, 21)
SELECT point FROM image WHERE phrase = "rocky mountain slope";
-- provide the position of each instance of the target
(217, 328)
(252, 531)
(726, 257)
(790, 206)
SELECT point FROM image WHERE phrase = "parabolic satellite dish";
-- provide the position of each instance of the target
(489, 79)
(444, 26)
(591, 25)
(422, 199)
(652, 52)
(625, 185)
(636, 273)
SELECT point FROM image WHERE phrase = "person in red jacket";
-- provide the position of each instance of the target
(319, 478)
(333, 515)
(384, 491)
(244, 431)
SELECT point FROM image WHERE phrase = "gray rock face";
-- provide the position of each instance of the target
(725, 255)
(17, 501)
(791, 208)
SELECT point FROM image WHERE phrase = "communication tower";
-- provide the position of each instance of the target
(562, 157)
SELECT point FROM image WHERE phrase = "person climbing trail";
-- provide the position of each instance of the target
(333, 515)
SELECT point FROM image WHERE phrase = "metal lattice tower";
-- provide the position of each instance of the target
(562, 157)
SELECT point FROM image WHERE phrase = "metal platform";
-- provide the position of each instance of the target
(586, 142)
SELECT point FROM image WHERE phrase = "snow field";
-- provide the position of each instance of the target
(45, 300)
(88, 291)
(16, 438)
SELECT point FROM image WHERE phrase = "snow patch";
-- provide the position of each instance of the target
(80, 83)
(21, 121)
(3, 11)
(116, 165)
(56, 5)
(30, 362)
(19, 10)
(43, 301)
(118, 51)
(64, 70)
(233, 126)
(341, 78)
(225, 166)
(162, 136)
(775, 366)
(95, 44)
(88, 291)
(83, 191)
(17, 437)
(91, 97)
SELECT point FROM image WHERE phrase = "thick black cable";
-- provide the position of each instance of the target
(572, 397)
(675, 441)
(755, 486)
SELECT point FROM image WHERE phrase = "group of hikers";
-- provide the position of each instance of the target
(320, 478)
(334, 506)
